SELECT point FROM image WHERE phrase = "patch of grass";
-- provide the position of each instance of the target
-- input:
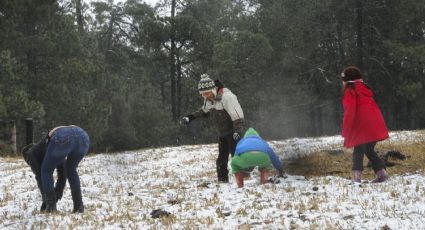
(325, 163)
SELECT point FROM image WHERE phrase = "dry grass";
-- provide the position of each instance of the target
(329, 163)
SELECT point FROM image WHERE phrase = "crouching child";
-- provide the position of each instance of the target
(252, 151)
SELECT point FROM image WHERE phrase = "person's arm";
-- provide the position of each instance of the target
(61, 181)
(202, 112)
(35, 165)
(33, 156)
(277, 164)
(349, 105)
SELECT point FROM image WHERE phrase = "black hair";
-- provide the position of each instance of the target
(218, 84)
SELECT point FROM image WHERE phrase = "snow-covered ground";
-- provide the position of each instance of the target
(121, 190)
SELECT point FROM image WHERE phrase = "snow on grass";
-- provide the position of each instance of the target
(121, 190)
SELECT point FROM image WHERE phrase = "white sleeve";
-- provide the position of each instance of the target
(232, 106)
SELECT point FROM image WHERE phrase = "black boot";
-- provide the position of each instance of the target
(77, 199)
(50, 198)
(43, 204)
(222, 173)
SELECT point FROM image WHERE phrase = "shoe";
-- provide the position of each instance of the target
(77, 199)
(381, 176)
(50, 198)
(357, 176)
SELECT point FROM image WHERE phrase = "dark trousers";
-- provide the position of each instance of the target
(226, 146)
(369, 150)
(70, 143)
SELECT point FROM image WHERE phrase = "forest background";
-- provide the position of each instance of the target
(126, 72)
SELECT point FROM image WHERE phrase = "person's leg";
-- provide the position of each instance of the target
(253, 159)
(375, 160)
(232, 144)
(73, 159)
(264, 175)
(239, 179)
(59, 146)
(358, 155)
(378, 164)
(223, 158)
(239, 165)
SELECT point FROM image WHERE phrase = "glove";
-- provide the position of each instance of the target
(186, 119)
(236, 136)
(281, 174)
(274, 180)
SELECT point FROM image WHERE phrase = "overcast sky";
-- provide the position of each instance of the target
(150, 2)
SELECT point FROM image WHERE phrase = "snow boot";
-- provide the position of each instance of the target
(50, 198)
(222, 173)
(381, 176)
(239, 179)
(357, 176)
(77, 199)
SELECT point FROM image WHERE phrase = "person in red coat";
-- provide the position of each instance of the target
(363, 124)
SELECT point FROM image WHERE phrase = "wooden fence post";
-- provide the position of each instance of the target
(29, 128)
(13, 139)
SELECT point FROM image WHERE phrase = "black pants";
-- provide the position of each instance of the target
(369, 150)
(226, 146)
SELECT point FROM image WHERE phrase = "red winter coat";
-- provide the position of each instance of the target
(363, 121)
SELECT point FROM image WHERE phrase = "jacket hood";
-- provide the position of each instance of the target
(363, 89)
(251, 132)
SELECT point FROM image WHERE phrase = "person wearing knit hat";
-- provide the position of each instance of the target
(223, 106)
(363, 124)
(206, 84)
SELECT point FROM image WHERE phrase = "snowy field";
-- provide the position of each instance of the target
(120, 191)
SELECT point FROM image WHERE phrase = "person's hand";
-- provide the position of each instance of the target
(281, 173)
(186, 119)
(274, 180)
(236, 136)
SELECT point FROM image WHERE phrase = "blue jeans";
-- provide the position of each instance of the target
(70, 143)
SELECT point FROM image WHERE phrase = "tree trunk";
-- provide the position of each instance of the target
(108, 46)
(179, 87)
(359, 25)
(13, 139)
(340, 45)
(80, 20)
(173, 62)
(29, 129)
